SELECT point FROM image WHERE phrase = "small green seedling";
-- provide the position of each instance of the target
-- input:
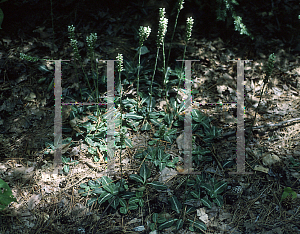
(288, 192)
(6, 196)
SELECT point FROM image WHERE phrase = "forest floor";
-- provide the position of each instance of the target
(50, 203)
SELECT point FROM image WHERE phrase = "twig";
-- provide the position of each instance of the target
(280, 125)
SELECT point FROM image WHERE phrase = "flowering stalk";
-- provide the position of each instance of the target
(162, 29)
(144, 33)
(71, 30)
(269, 69)
(120, 69)
(74, 45)
(188, 34)
(91, 40)
(179, 8)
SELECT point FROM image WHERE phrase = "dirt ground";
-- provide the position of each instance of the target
(49, 203)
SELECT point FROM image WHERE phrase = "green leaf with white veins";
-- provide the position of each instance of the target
(106, 183)
(104, 197)
(175, 204)
(206, 202)
(133, 115)
(137, 178)
(218, 200)
(158, 185)
(167, 224)
(145, 172)
(207, 187)
(220, 187)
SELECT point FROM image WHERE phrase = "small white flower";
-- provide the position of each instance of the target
(163, 25)
(120, 62)
(189, 27)
(144, 33)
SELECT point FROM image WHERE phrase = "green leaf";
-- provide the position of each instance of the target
(143, 50)
(141, 202)
(198, 224)
(114, 204)
(92, 150)
(122, 202)
(133, 115)
(167, 224)
(89, 141)
(190, 209)
(220, 187)
(154, 217)
(175, 204)
(145, 172)
(156, 122)
(161, 165)
(207, 187)
(51, 85)
(133, 206)
(123, 210)
(168, 138)
(146, 127)
(195, 194)
(141, 190)
(144, 99)
(83, 193)
(133, 200)
(287, 192)
(98, 190)
(179, 224)
(197, 116)
(104, 197)
(218, 200)
(137, 178)
(107, 184)
(152, 226)
(171, 132)
(161, 218)
(66, 168)
(6, 196)
(158, 186)
(155, 115)
(93, 184)
(128, 195)
(83, 185)
(168, 118)
(206, 202)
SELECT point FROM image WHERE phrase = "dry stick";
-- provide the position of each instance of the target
(280, 125)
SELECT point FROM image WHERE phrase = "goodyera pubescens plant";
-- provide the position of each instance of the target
(162, 29)
(144, 33)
